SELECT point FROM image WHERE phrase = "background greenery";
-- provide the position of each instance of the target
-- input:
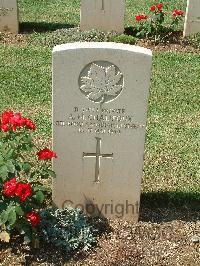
(66, 12)
(172, 143)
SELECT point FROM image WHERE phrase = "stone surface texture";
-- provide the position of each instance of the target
(100, 98)
(103, 15)
(192, 18)
(9, 16)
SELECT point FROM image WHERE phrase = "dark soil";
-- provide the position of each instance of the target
(170, 244)
(165, 241)
(170, 42)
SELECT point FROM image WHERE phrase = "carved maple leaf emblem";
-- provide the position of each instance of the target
(102, 83)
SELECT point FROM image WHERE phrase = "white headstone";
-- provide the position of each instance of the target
(103, 15)
(100, 97)
(9, 16)
(192, 18)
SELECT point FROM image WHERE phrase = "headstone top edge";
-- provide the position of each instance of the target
(102, 45)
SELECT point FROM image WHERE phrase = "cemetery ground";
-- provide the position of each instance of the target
(168, 232)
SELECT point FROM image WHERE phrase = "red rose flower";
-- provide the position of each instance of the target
(10, 120)
(5, 118)
(177, 12)
(23, 191)
(29, 123)
(46, 154)
(140, 17)
(152, 8)
(33, 218)
(16, 119)
(159, 6)
(9, 187)
(4, 128)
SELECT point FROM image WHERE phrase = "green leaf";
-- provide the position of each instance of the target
(39, 196)
(1, 160)
(4, 217)
(14, 144)
(19, 210)
(51, 173)
(18, 166)
(9, 154)
(26, 167)
(28, 138)
(3, 172)
(10, 167)
(27, 147)
(44, 176)
(33, 175)
(41, 188)
(12, 217)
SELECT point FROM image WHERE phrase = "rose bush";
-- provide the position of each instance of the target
(22, 168)
(152, 24)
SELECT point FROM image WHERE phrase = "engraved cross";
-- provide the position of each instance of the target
(102, 5)
(98, 155)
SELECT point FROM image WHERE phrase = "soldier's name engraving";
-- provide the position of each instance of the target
(100, 121)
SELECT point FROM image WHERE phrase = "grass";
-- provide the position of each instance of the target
(59, 12)
(172, 142)
(67, 12)
(172, 155)
(26, 83)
